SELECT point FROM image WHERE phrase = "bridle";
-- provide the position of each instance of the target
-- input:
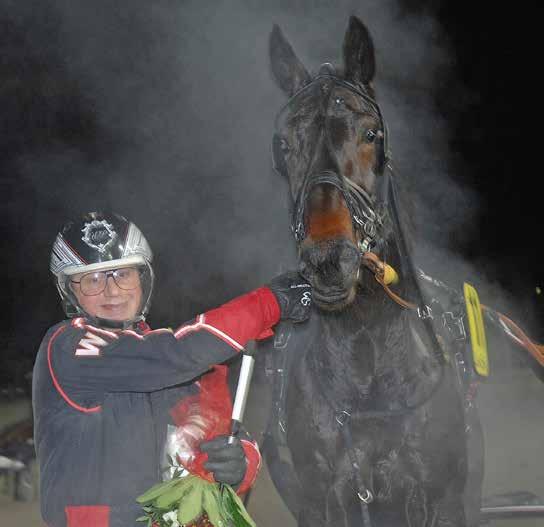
(367, 213)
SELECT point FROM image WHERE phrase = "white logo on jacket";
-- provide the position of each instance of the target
(89, 345)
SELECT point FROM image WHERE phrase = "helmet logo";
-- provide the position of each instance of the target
(99, 235)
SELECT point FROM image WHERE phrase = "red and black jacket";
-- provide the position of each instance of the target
(103, 401)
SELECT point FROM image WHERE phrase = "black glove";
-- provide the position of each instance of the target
(294, 295)
(226, 462)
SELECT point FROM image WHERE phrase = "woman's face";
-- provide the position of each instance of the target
(113, 303)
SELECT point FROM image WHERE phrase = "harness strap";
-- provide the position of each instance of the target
(274, 446)
(399, 300)
(372, 261)
(363, 493)
(515, 333)
(358, 202)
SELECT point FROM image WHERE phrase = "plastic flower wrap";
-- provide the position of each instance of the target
(199, 418)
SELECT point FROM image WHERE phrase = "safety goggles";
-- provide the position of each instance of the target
(94, 283)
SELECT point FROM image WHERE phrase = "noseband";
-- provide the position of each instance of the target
(366, 214)
(360, 205)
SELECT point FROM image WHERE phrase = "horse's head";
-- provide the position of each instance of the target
(330, 143)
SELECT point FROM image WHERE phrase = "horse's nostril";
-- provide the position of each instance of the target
(333, 264)
(349, 259)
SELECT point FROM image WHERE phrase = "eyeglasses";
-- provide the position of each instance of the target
(92, 284)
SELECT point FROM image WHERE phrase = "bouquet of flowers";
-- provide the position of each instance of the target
(191, 497)
(191, 500)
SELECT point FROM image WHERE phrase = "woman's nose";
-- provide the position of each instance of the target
(111, 289)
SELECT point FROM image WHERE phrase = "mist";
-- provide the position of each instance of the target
(163, 112)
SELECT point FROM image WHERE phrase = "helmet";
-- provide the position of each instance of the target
(97, 242)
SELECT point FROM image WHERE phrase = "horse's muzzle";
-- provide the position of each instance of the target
(331, 267)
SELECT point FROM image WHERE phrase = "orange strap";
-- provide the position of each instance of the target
(400, 301)
(519, 336)
(372, 261)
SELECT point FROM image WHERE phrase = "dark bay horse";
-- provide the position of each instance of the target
(373, 414)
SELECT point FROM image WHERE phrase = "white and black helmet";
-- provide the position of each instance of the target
(99, 242)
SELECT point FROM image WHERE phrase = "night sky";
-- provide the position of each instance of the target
(492, 105)
(163, 112)
(493, 115)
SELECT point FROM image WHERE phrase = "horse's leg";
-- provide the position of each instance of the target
(313, 509)
(309, 517)
(418, 512)
(449, 511)
(423, 478)
(314, 475)
(338, 503)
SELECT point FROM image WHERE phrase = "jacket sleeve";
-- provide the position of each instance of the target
(85, 359)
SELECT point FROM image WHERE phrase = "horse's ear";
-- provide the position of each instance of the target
(288, 71)
(359, 60)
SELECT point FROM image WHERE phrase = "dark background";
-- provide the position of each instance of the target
(163, 111)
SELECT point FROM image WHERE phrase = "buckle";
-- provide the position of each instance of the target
(298, 231)
(370, 229)
(358, 220)
(424, 312)
(342, 417)
(281, 339)
(367, 497)
(455, 325)
(364, 245)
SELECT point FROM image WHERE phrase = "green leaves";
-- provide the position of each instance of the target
(155, 491)
(182, 501)
(172, 496)
(236, 508)
(190, 507)
(213, 505)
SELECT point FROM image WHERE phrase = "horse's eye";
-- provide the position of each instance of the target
(339, 101)
(370, 135)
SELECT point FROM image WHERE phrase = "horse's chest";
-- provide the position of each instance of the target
(320, 395)
(320, 391)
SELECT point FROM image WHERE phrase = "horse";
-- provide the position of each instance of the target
(369, 405)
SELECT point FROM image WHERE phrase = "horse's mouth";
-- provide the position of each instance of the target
(333, 301)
